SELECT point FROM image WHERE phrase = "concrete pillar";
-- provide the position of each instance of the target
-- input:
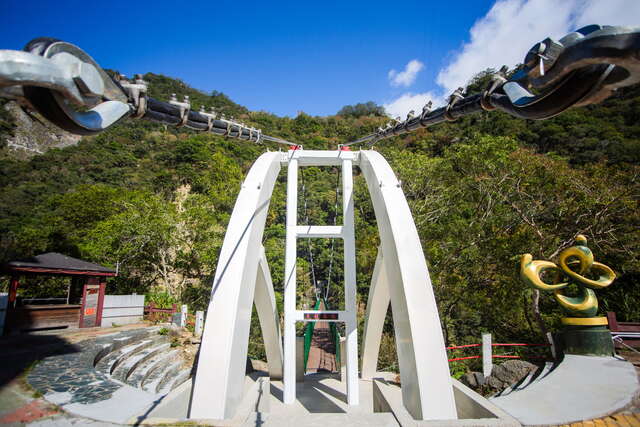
(183, 315)
(290, 259)
(299, 359)
(197, 331)
(343, 365)
(487, 355)
(350, 356)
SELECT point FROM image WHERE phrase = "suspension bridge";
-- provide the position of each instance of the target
(67, 87)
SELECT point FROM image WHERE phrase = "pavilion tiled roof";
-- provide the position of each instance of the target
(53, 262)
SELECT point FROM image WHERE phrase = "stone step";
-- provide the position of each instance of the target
(155, 375)
(146, 368)
(170, 374)
(180, 378)
(158, 375)
(122, 340)
(110, 362)
(128, 366)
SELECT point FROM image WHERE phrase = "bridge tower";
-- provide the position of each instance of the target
(400, 279)
(346, 232)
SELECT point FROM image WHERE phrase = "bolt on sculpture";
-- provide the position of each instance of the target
(585, 333)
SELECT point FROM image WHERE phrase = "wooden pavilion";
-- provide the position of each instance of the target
(84, 301)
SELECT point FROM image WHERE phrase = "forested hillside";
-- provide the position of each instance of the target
(155, 201)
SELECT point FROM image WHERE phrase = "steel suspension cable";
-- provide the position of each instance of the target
(68, 88)
(335, 217)
(309, 247)
(582, 68)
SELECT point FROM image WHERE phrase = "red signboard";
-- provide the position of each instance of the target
(92, 300)
(321, 316)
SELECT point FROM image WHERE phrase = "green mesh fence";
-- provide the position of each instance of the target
(308, 335)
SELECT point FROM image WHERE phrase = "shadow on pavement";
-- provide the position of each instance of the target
(19, 352)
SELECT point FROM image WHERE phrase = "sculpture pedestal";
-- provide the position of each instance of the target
(587, 336)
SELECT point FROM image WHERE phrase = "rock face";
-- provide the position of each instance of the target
(502, 376)
(33, 136)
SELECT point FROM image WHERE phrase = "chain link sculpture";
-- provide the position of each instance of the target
(584, 67)
(67, 87)
(576, 266)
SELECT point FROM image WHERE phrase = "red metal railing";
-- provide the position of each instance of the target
(155, 314)
(496, 356)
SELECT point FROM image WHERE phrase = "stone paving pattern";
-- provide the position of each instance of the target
(19, 408)
(74, 373)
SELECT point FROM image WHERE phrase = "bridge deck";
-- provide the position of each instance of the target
(322, 354)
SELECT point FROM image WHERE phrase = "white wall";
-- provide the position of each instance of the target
(122, 309)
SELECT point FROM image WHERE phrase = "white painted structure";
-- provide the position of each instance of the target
(183, 315)
(400, 278)
(302, 158)
(487, 355)
(122, 310)
(199, 324)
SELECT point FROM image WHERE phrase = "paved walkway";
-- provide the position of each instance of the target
(20, 405)
(579, 388)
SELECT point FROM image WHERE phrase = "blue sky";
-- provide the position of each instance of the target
(306, 56)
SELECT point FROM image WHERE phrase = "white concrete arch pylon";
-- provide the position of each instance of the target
(402, 278)
(219, 381)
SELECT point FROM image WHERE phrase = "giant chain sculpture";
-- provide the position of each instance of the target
(67, 87)
(577, 266)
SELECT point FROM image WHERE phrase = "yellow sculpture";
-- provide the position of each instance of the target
(576, 266)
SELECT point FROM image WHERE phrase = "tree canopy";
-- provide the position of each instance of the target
(155, 201)
(362, 109)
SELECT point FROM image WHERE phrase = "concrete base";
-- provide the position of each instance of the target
(174, 408)
(473, 409)
(580, 388)
(587, 341)
(322, 401)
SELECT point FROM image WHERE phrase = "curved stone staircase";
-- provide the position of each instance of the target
(148, 363)
(117, 377)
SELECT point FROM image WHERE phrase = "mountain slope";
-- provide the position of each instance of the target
(155, 200)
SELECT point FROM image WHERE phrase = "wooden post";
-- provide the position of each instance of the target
(82, 304)
(101, 292)
(613, 321)
(13, 290)
(90, 303)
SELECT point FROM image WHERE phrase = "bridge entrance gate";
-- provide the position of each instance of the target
(400, 278)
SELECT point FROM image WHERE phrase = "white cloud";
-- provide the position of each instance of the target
(409, 101)
(408, 76)
(505, 34)
(609, 12)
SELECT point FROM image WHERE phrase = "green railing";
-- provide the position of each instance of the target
(308, 335)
